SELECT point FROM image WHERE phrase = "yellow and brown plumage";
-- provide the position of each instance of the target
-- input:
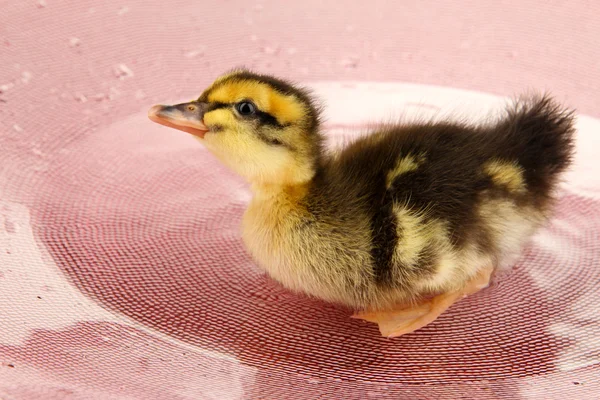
(398, 225)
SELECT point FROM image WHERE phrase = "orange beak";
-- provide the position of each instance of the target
(186, 117)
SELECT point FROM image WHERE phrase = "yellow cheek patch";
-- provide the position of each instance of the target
(287, 109)
(257, 161)
(509, 175)
(220, 116)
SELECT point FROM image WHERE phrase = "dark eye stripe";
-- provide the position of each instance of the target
(275, 142)
(267, 119)
(263, 117)
(217, 106)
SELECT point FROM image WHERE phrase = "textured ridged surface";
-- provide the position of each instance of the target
(122, 274)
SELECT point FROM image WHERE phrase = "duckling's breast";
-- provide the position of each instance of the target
(305, 253)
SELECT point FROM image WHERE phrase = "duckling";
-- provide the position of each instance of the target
(401, 223)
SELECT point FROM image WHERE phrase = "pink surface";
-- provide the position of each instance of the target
(163, 302)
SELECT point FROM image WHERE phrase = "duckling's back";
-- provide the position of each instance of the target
(444, 200)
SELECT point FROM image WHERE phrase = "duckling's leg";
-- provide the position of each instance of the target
(398, 322)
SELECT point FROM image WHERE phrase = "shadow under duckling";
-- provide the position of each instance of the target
(400, 224)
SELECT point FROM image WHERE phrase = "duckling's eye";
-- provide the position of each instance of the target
(245, 108)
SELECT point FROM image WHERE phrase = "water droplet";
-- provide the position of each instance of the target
(74, 42)
(350, 62)
(25, 77)
(194, 53)
(259, 7)
(80, 97)
(270, 50)
(41, 4)
(139, 94)
(99, 96)
(113, 93)
(123, 10)
(350, 28)
(314, 381)
(6, 87)
(253, 38)
(17, 128)
(291, 51)
(122, 72)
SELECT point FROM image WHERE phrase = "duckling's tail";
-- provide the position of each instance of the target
(539, 134)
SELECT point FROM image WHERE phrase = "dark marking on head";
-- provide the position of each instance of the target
(282, 86)
(217, 106)
(273, 141)
(265, 118)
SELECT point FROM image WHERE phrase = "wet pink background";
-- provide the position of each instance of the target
(143, 223)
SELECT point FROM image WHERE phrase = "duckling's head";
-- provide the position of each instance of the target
(264, 128)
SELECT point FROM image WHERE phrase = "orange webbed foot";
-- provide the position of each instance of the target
(403, 320)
